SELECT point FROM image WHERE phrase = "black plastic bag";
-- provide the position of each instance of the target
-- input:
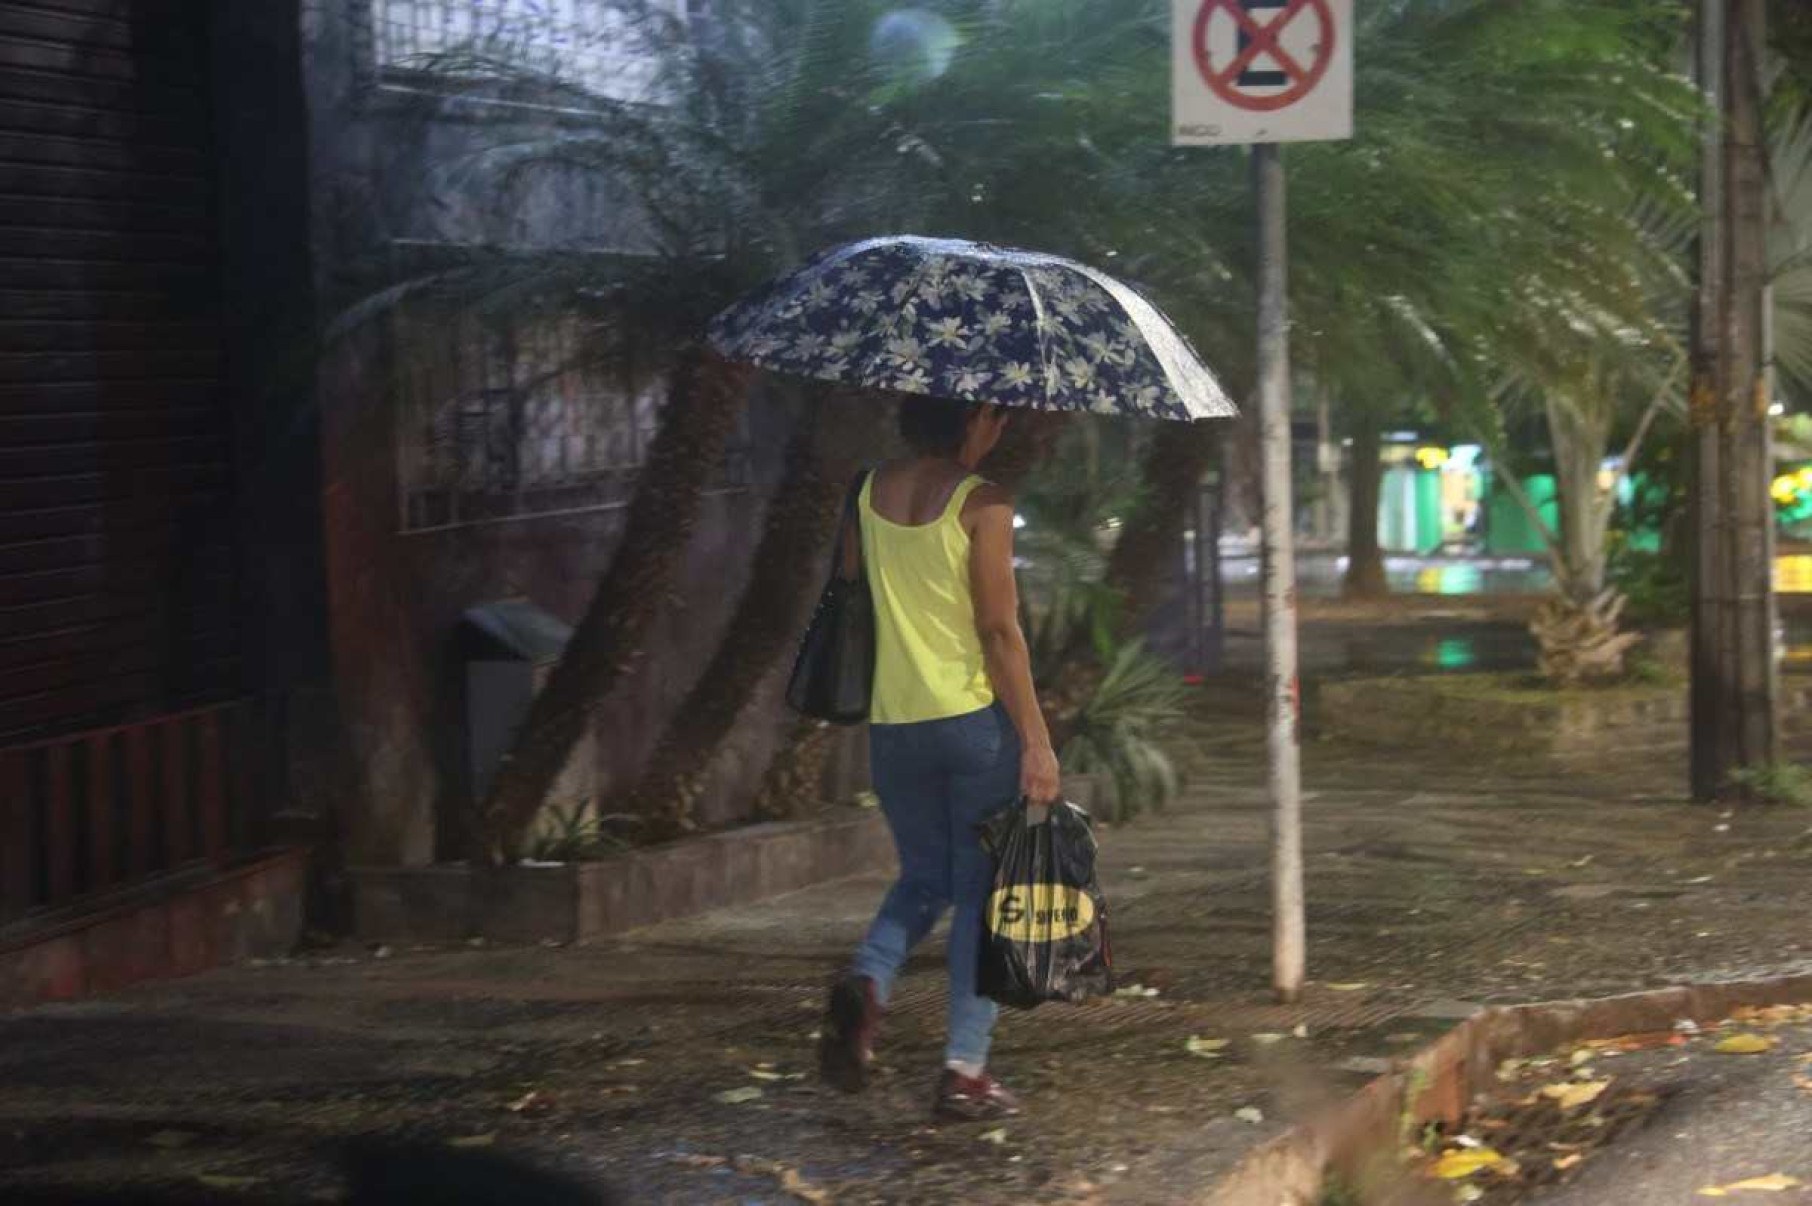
(1045, 925)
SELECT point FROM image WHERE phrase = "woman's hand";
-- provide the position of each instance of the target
(1040, 780)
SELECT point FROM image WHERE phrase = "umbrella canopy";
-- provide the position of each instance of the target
(972, 321)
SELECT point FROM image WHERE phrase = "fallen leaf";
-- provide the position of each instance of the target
(222, 1181)
(1562, 1163)
(997, 1136)
(1266, 1039)
(765, 1074)
(1572, 1095)
(170, 1140)
(694, 1161)
(484, 1140)
(1207, 1048)
(1460, 1163)
(1301, 1031)
(740, 1096)
(524, 1102)
(1468, 1193)
(1744, 1044)
(1772, 1183)
(1352, 986)
(1583, 1055)
(791, 1182)
(1250, 1114)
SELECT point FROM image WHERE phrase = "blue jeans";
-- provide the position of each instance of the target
(937, 781)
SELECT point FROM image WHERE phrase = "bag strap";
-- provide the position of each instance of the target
(850, 525)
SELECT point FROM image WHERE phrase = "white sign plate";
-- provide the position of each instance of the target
(1260, 71)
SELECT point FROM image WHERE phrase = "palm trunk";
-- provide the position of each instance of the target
(794, 780)
(1143, 560)
(1365, 577)
(1579, 441)
(1145, 556)
(801, 519)
(700, 414)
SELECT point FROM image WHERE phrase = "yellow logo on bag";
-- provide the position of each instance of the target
(1040, 912)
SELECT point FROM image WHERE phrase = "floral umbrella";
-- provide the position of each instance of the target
(967, 320)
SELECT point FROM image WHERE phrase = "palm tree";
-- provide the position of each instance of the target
(1471, 113)
(775, 134)
(763, 627)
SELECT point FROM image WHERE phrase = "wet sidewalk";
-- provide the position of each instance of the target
(675, 1064)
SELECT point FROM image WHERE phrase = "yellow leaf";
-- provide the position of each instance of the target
(1568, 1161)
(738, 1096)
(1355, 986)
(1744, 1044)
(804, 1190)
(1207, 1048)
(1460, 1163)
(484, 1140)
(1573, 1094)
(1772, 1183)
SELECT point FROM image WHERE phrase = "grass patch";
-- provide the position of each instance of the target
(1530, 689)
(1777, 783)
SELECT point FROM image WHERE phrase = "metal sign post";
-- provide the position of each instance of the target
(1264, 72)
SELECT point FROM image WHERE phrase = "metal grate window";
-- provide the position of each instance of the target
(511, 423)
(609, 48)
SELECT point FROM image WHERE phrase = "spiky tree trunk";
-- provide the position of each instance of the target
(794, 781)
(1145, 555)
(1579, 436)
(706, 394)
(1142, 561)
(1365, 578)
(765, 626)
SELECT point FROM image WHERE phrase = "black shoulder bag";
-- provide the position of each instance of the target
(834, 674)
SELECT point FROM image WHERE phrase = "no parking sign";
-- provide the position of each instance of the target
(1261, 71)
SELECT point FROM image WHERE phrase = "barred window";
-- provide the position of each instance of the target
(596, 45)
(501, 423)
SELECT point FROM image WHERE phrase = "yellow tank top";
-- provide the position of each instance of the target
(928, 656)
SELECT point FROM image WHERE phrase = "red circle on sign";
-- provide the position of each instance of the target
(1265, 41)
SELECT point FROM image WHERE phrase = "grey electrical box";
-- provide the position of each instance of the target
(508, 647)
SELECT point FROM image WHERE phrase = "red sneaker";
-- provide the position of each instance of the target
(846, 1042)
(973, 1098)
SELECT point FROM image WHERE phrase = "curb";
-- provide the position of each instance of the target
(173, 926)
(1438, 1082)
(577, 902)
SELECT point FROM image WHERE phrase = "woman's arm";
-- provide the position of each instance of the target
(990, 519)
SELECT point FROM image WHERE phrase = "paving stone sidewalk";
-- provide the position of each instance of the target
(674, 1063)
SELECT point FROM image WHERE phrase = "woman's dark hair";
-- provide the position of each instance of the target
(935, 426)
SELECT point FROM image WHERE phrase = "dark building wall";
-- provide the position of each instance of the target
(396, 184)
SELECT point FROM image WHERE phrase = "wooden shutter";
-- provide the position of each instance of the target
(117, 536)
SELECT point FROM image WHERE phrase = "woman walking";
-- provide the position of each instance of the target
(956, 732)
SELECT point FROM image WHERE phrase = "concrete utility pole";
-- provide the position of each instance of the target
(1734, 685)
(1277, 544)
